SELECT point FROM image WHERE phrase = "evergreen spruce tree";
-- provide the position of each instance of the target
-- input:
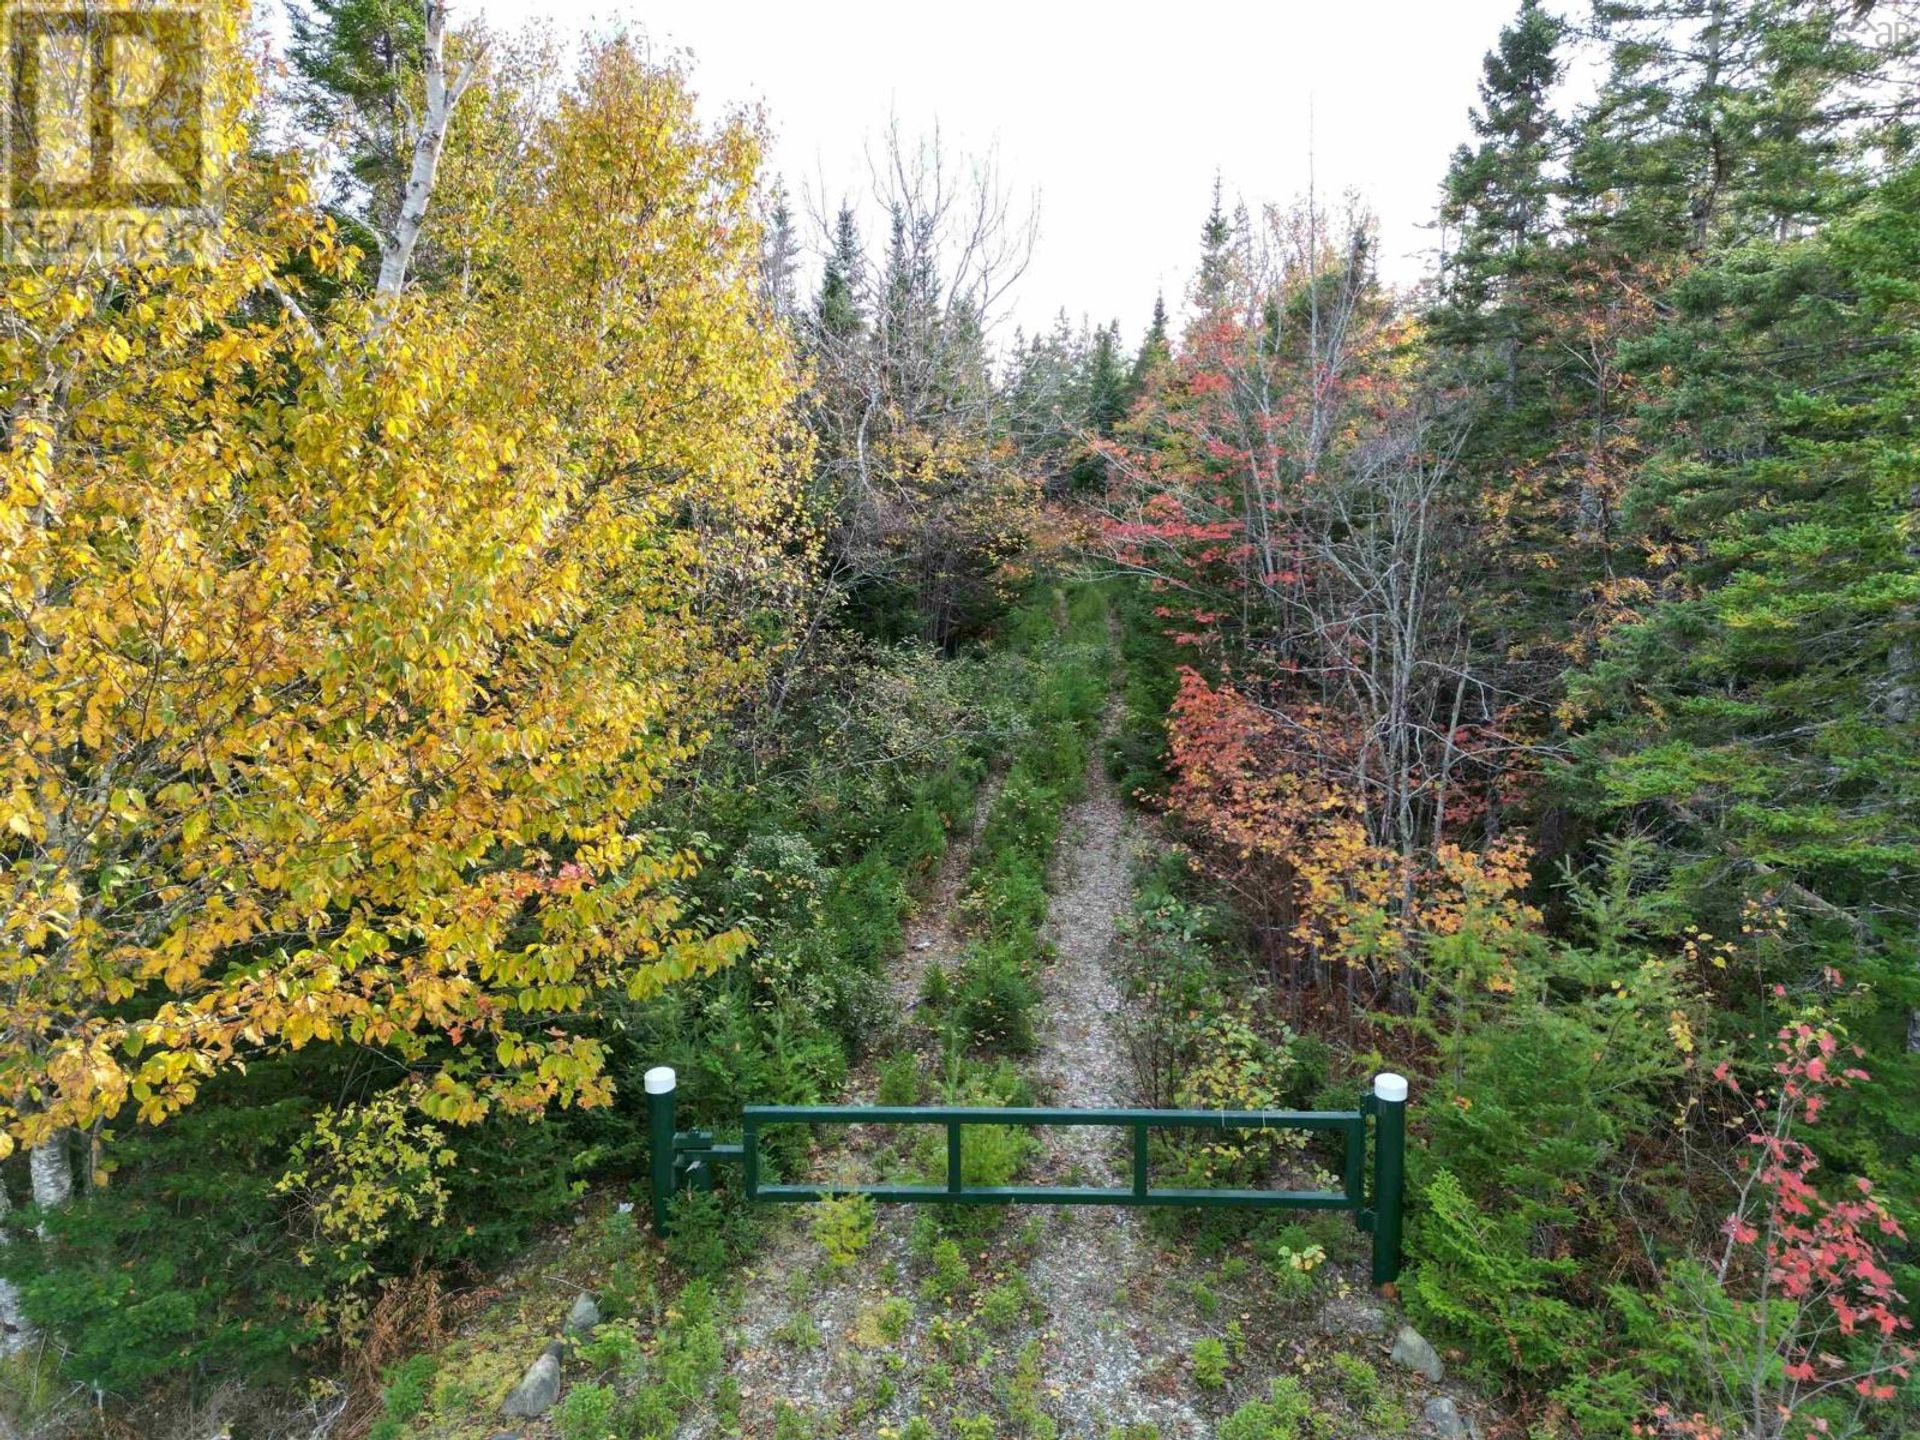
(1721, 121)
(1155, 350)
(779, 255)
(1497, 201)
(357, 61)
(837, 309)
(1106, 380)
(1505, 331)
(1105, 402)
(1044, 401)
(1762, 716)
(1214, 286)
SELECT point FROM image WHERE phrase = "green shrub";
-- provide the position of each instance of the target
(628, 1288)
(1209, 1364)
(989, 1154)
(1281, 1416)
(404, 1396)
(1479, 1281)
(710, 1231)
(183, 1264)
(924, 1235)
(1020, 1394)
(1007, 1304)
(798, 1330)
(891, 1319)
(950, 1276)
(993, 1154)
(863, 912)
(611, 1347)
(1359, 1381)
(919, 839)
(586, 1412)
(957, 1338)
(1388, 1417)
(686, 1362)
(994, 996)
(1136, 756)
(900, 1075)
(790, 1422)
(843, 1227)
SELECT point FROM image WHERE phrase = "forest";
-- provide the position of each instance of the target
(531, 598)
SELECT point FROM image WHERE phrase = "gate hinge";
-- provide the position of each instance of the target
(693, 1146)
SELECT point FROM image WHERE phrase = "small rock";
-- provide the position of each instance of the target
(1351, 1317)
(538, 1388)
(1410, 1348)
(1445, 1418)
(923, 944)
(584, 1315)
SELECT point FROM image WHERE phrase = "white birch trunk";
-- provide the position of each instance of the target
(51, 1166)
(13, 1328)
(431, 139)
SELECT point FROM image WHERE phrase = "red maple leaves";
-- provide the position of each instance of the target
(1825, 1314)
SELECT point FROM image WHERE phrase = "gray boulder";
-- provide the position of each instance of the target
(538, 1388)
(1445, 1418)
(584, 1315)
(1350, 1316)
(1410, 1348)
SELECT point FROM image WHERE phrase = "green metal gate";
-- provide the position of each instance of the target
(685, 1158)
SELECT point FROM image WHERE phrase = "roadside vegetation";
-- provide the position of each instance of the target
(527, 606)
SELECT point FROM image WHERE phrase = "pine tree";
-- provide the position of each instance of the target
(1761, 717)
(1214, 285)
(1043, 402)
(1106, 380)
(1155, 350)
(779, 255)
(1105, 402)
(1725, 120)
(837, 309)
(1497, 198)
(357, 61)
(914, 487)
(1507, 327)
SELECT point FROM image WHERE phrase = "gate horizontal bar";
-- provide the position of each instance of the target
(1066, 1195)
(1035, 1115)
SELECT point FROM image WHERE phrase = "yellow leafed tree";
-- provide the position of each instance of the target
(341, 652)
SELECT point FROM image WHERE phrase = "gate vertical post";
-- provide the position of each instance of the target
(659, 1083)
(1389, 1173)
(956, 1169)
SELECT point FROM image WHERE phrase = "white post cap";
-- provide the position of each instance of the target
(660, 1080)
(1390, 1087)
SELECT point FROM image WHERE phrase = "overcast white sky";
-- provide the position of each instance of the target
(1116, 120)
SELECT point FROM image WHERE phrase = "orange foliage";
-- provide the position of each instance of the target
(1267, 819)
